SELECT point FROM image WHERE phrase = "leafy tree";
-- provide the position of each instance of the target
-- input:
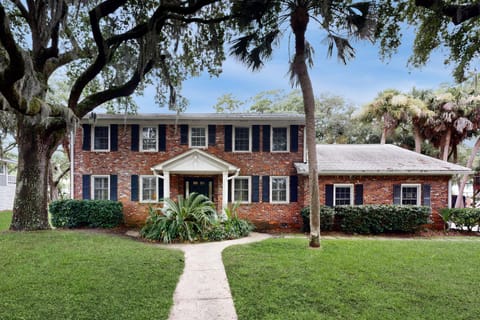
(107, 48)
(340, 20)
(450, 25)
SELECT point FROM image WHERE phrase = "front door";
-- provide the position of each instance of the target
(199, 185)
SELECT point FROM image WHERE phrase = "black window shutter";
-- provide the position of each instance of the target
(293, 138)
(329, 195)
(86, 137)
(266, 138)
(397, 193)
(114, 137)
(228, 138)
(184, 134)
(135, 136)
(212, 134)
(293, 188)
(134, 187)
(229, 186)
(161, 195)
(255, 138)
(265, 188)
(255, 188)
(358, 194)
(426, 188)
(162, 137)
(86, 187)
(113, 187)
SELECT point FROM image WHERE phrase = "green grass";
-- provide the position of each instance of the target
(355, 279)
(80, 275)
(5, 220)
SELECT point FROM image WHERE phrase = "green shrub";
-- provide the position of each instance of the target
(185, 220)
(326, 218)
(374, 219)
(86, 213)
(232, 228)
(462, 217)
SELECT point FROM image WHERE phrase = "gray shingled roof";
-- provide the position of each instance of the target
(377, 159)
(291, 118)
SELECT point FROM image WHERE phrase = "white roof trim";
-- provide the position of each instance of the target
(195, 161)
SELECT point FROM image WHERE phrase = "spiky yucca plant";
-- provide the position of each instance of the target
(185, 219)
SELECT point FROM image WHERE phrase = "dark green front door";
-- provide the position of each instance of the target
(199, 185)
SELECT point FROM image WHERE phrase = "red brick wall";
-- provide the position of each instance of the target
(379, 189)
(125, 163)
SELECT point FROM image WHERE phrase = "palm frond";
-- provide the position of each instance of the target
(344, 50)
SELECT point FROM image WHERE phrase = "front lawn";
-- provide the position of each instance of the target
(80, 275)
(355, 279)
(5, 220)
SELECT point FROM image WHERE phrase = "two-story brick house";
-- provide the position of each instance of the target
(256, 160)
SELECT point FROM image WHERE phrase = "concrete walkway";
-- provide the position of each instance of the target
(203, 291)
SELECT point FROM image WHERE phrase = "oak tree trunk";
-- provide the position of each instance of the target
(35, 148)
(299, 21)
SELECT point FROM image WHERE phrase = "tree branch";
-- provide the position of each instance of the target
(457, 12)
(23, 10)
(16, 66)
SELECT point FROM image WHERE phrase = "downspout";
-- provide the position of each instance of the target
(450, 193)
(72, 160)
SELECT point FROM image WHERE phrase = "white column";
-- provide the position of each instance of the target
(166, 184)
(224, 192)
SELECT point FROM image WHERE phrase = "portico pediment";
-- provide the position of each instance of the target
(195, 161)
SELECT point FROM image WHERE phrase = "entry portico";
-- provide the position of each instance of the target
(194, 163)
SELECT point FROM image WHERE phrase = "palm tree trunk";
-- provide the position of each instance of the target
(299, 21)
(459, 203)
(383, 139)
(418, 139)
(446, 147)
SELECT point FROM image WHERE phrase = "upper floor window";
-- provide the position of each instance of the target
(101, 141)
(242, 139)
(241, 189)
(279, 189)
(410, 194)
(100, 187)
(343, 194)
(149, 139)
(280, 139)
(198, 137)
(148, 187)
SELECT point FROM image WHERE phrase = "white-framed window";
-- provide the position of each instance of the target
(101, 187)
(148, 189)
(149, 139)
(343, 194)
(280, 139)
(279, 189)
(198, 137)
(410, 194)
(101, 138)
(242, 139)
(241, 190)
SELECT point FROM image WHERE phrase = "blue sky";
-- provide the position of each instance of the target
(359, 81)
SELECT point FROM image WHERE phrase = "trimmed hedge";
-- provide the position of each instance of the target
(326, 218)
(462, 217)
(374, 219)
(86, 213)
